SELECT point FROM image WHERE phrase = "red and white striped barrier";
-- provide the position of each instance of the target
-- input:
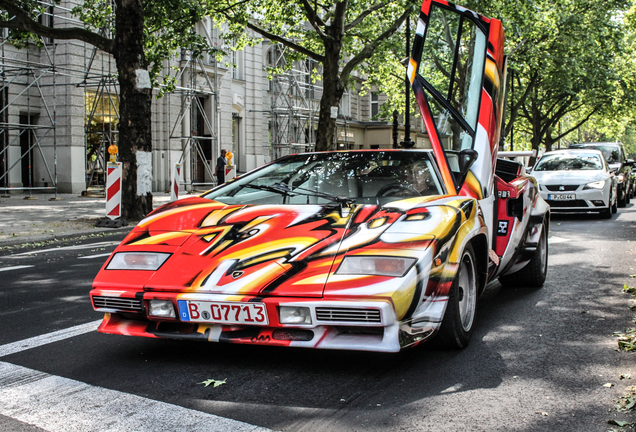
(113, 190)
(176, 179)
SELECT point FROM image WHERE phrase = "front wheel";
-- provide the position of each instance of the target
(534, 273)
(459, 318)
(606, 213)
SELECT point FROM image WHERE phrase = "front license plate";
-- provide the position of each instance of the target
(561, 197)
(223, 312)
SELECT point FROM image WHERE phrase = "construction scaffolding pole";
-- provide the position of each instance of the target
(293, 104)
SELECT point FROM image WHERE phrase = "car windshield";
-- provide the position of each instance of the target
(338, 177)
(569, 162)
(610, 152)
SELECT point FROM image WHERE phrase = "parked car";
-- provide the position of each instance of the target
(615, 156)
(373, 250)
(577, 181)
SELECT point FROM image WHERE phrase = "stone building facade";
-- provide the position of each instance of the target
(58, 114)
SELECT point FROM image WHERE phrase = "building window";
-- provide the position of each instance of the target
(46, 19)
(345, 105)
(375, 105)
(237, 61)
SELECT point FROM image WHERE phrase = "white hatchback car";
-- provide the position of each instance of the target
(576, 181)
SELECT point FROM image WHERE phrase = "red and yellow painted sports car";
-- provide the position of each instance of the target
(362, 250)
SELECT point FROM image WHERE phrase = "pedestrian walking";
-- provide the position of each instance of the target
(220, 168)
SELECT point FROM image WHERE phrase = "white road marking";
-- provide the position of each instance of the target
(34, 342)
(75, 247)
(14, 267)
(94, 256)
(56, 404)
(555, 240)
(59, 404)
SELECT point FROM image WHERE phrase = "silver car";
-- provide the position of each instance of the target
(577, 181)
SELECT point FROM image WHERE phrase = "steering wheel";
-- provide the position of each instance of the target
(394, 189)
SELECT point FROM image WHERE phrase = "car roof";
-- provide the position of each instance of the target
(575, 152)
(595, 144)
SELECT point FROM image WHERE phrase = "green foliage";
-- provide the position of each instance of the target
(291, 21)
(568, 58)
(169, 27)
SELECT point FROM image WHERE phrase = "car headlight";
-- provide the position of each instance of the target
(595, 185)
(620, 178)
(375, 265)
(137, 261)
(294, 315)
(161, 308)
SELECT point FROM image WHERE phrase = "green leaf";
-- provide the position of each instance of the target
(212, 381)
(620, 423)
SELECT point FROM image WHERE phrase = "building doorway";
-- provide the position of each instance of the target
(236, 139)
(27, 145)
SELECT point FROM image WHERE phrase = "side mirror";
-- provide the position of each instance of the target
(465, 159)
(630, 162)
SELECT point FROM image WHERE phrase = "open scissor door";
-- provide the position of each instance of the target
(456, 71)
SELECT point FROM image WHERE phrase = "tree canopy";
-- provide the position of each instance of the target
(140, 35)
(342, 36)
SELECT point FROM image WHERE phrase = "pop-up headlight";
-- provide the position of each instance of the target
(375, 265)
(161, 308)
(294, 315)
(137, 261)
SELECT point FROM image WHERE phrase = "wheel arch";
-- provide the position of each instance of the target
(480, 247)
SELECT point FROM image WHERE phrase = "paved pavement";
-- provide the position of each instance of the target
(24, 220)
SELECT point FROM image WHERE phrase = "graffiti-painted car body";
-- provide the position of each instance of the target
(366, 250)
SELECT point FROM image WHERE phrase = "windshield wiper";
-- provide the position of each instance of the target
(276, 188)
(282, 188)
(339, 199)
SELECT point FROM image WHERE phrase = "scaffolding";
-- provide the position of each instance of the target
(28, 92)
(101, 98)
(194, 126)
(293, 104)
(30, 78)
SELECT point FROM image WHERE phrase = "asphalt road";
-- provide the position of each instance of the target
(540, 359)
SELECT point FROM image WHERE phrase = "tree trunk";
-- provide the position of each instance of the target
(332, 92)
(135, 99)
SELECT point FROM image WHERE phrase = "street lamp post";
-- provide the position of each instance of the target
(407, 143)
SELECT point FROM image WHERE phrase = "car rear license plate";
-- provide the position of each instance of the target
(561, 197)
(223, 312)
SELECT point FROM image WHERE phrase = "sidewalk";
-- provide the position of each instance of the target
(36, 220)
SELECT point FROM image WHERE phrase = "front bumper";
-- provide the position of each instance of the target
(126, 313)
(587, 200)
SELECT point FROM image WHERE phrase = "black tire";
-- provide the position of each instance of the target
(534, 273)
(459, 317)
(622, 200)
(606, 213)
(614, 207)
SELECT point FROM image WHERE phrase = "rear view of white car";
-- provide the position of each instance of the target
(576, 181)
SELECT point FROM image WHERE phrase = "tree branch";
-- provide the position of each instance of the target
(286, 42)
(368, 49)
(20, 20)
(363, 15)
(312, 15)
(579, 124)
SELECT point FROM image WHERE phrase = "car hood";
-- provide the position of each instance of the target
(568, 177)
(281, 250)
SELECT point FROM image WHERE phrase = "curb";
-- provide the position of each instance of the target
(61, 237)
